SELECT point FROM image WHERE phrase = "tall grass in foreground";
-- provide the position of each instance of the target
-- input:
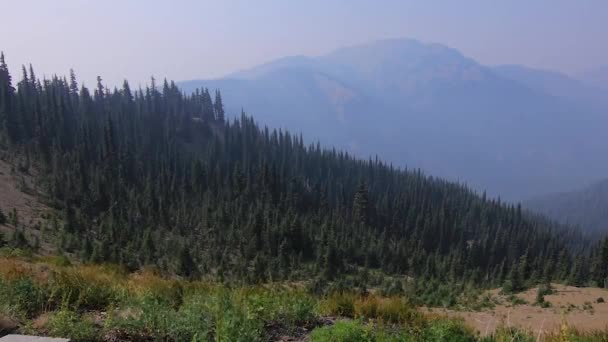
(103, 302)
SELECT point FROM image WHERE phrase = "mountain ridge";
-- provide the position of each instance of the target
(390, 97)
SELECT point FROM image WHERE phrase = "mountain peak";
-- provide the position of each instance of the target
(388, 50)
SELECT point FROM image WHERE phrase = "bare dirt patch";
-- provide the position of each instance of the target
(18, 193)
(578, 307)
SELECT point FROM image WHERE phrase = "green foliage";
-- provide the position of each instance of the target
(355, 331)
(155, 318)
(344, 331)
(447, 330)
(81, 290)
(144, 306)
(515, 300)
(69, 324)
(509, 334)
(542, 291)
(339, 304)
(21, 297)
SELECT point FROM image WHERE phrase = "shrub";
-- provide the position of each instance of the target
(68, 324)
(516, 300)
(339, 304)
(154, 318)
(600, 300)
(546, 289)
(447, 330)
(508, 334)
(234, 322)
(367, 307)
(397, 310)
(344, 331)
(22, 297)
(86, 287)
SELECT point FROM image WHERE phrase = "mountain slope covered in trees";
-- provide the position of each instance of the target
(512, 131)
(155, 177)
(587, 207)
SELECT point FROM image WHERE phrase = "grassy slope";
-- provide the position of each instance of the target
(48, 296)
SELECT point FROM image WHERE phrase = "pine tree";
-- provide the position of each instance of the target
(361, 204)
(218, 107)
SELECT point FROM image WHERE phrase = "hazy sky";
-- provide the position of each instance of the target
(202, 39)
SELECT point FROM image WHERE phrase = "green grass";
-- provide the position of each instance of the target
(49, 296)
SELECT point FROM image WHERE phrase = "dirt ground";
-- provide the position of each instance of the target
(18, 192)
(578, 307)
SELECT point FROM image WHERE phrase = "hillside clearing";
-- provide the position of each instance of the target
(578, 307)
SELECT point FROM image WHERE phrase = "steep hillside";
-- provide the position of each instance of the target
(161, 178)
(511, 131)
(587, 207)
(21, 207)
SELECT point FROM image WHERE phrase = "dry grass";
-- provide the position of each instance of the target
(572, 307)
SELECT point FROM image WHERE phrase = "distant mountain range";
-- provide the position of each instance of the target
(513, 131)
(587, 208)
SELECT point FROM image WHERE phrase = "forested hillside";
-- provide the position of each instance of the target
(155, 177)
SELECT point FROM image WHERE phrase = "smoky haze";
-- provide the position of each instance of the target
(207, 39)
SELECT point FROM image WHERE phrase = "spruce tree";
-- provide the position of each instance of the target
(218, 107)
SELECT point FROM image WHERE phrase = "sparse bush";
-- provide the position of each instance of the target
(514, 300)
(508, 334)
(367, 307)
(545, 290)
(600, 300)
(22, 297)
(351, 331)
(234, 322)
(507, 287)
(339, 304)
(68, 324)
(86, 287)
(447, 330)
(397, 310)
(587, 306)
(542, 291)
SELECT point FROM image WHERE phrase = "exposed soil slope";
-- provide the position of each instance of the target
(18, 193)
(578, 307)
